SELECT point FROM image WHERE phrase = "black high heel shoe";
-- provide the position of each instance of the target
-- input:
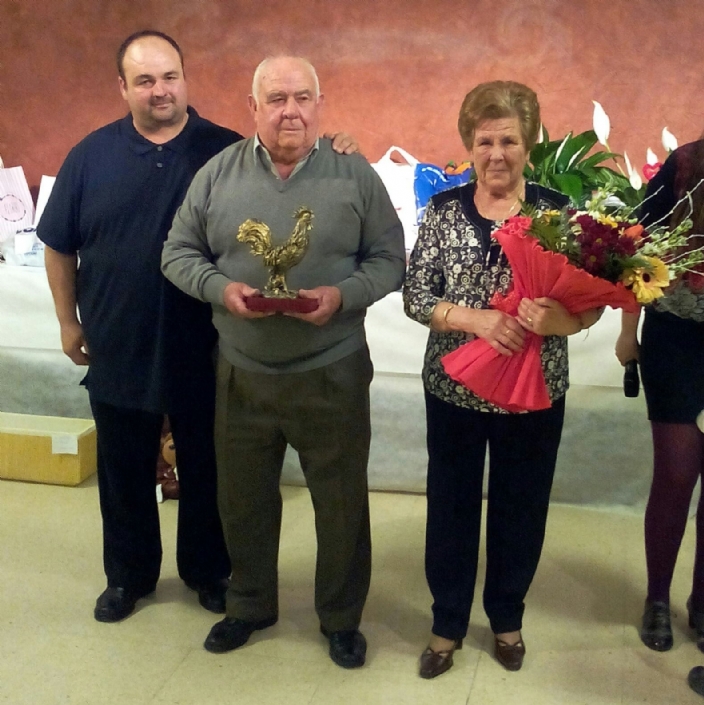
(656, 630)
(696, 622)
(435, 663)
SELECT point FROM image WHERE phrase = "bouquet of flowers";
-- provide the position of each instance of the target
(587, 258)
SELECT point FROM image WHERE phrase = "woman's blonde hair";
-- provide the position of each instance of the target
(500, 99)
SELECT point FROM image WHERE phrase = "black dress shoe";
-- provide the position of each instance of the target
(510, 656)
(435, 663)
(231, 633)
(696, 622)
(116, 603)
(696, 680)
(211, 595)
(656, 630)
(348, 648)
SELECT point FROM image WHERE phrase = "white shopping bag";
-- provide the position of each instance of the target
(399, 181)
(45, 186)
(16, 206)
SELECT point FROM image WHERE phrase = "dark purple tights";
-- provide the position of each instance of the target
(678, 463)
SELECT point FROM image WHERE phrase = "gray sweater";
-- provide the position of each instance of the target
(356, 244)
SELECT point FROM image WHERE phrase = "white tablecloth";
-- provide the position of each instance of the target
(397, 344)
(603, 456)
(35, 376)
(27, 318)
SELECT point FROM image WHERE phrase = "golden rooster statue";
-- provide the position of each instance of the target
(279, 259)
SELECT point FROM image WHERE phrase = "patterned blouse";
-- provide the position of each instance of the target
(456, 260)
(681, 301)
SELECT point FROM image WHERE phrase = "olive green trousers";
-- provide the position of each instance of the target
(324, 415)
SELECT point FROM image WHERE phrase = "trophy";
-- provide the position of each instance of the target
(276, 295)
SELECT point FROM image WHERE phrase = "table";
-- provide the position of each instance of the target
(604, 457)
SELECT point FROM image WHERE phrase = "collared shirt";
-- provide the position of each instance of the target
(113, 203)
(263, 153)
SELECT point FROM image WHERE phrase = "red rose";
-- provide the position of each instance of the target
(517, 225)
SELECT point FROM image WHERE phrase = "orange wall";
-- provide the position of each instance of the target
(393, 71)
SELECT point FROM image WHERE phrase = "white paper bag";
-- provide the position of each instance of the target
(399, 181)
(45, 186)
(16, 206)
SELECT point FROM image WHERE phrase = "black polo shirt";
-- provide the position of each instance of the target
(113, 202)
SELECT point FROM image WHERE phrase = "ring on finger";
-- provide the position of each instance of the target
(530, 320)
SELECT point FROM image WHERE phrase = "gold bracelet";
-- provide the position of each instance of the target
(446, 312)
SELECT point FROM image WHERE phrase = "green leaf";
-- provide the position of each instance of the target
(538, 153)
(567, 165)
(569, 184)
(578, 145)
(609, 178)
(597, 158)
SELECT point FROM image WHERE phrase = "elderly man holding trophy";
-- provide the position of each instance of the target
(290, 243)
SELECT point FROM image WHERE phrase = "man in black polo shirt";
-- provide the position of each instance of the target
(148, 346)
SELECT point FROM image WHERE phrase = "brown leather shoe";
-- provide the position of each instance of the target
(510, 656)
(435, 663)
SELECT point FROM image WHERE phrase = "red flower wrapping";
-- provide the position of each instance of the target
(516, 383)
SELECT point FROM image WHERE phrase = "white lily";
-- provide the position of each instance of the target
(651, 157)
(633, 176)
(541, 135)
(602, 124)
(2, 164)
(669, 141)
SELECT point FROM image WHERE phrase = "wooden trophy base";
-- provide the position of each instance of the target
(268, 304)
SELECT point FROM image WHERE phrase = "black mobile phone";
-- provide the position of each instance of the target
(631, 379)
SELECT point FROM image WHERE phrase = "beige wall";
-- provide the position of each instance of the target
(394, 71)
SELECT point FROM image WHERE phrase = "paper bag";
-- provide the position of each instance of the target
(16, 206)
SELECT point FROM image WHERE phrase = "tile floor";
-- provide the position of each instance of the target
(583, 647)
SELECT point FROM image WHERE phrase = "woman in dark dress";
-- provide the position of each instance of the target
(671, 354)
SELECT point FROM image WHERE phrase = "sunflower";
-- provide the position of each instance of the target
(647, 282)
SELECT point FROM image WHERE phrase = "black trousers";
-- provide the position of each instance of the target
(128, 448)
(324, 415)
(522, 457)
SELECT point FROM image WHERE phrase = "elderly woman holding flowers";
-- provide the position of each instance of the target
(455, 269)
(671, 355)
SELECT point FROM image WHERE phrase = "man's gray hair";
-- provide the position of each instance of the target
(260, 70)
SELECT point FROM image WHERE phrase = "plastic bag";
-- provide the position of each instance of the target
(429, 180)
(399, 182)
(23, 249)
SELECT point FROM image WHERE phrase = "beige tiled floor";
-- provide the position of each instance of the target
(580, 622)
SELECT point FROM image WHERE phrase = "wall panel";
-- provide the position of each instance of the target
(393, 71)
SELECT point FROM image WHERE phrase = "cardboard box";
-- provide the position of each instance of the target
(49, 449)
